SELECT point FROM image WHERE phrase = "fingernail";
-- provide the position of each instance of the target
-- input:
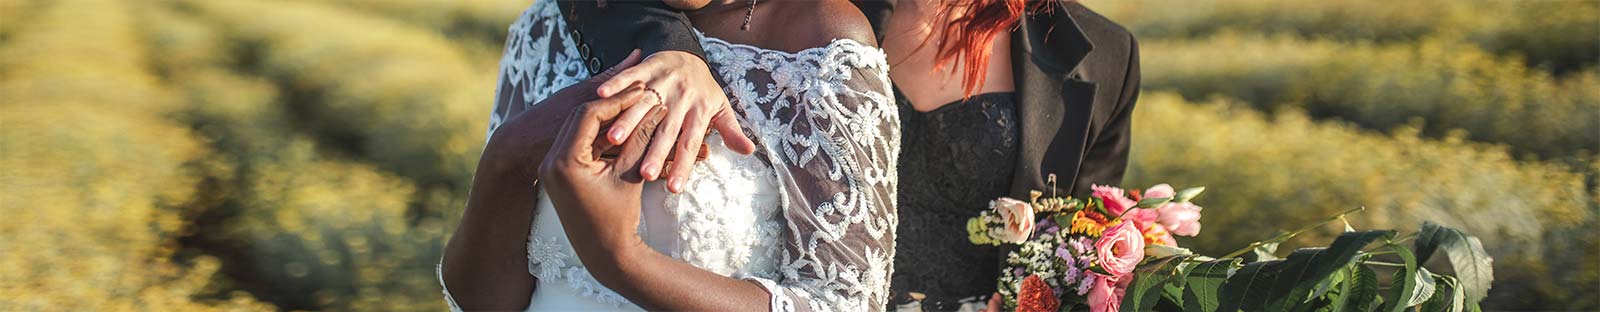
(649, 171)
(616, 135)
(675, 184)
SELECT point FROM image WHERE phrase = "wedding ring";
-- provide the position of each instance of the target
(653, 92)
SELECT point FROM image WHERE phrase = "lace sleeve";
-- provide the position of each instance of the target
(539, 60)
(828, 123)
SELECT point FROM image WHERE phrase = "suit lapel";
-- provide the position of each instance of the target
(1055, 107)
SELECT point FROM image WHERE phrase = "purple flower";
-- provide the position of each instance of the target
(1049, 226)
(1087, 283)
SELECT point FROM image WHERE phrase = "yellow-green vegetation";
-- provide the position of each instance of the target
(386, 90)
(1557, 34)
(95, 177)
(296, 226)
(1443, 84)
(484, 20)
(310, 154)
(1278, 171)
(1480, 114)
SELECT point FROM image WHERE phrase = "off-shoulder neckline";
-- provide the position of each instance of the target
(836, 43)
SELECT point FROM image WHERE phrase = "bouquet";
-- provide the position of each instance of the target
(1083, 251)
(1114, 251)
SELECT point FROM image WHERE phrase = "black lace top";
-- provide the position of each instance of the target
(953, 161)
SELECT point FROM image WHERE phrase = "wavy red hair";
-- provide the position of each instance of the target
(972, 26)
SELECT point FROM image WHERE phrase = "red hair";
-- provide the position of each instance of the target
(967, 37)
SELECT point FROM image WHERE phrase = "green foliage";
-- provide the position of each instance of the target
(1150, 280)
(1339, 277)
(1558, 34)
(1439, 85)
(1201, 287)
(1468, 260)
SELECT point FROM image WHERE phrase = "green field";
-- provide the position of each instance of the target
(313, 154)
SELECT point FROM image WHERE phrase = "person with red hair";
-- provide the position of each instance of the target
(996, 97)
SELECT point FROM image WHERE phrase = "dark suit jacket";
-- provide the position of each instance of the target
(1077, 77)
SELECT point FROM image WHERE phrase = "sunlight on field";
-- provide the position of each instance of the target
(312, 154)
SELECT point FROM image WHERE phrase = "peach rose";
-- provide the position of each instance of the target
(1017, 216)
(1180, 218)
(1160, 191)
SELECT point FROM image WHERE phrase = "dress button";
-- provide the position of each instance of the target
(594, 66)
(583, 49)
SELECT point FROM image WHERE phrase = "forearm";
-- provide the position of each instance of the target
(485, 263)
(655, 281)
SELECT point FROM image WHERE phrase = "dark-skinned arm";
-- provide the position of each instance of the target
(485, 265)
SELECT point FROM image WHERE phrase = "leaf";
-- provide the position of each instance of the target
(1202, 288)
(1405, 281)
(1425, 287)
(1250, 288)
(1447, 297)
(1327, 285)
(1360, 293)
(1173, 290)
(1153, 202)
(1307, 267)
(1187, 194)
(1472, 265)
(1149, 281)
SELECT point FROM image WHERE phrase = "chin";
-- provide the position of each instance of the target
(694, 4)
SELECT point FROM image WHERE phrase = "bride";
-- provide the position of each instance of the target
(806, 222)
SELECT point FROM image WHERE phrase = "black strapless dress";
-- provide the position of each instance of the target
(953, 161)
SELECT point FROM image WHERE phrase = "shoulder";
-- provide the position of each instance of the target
(1105, 33)
(827, 20)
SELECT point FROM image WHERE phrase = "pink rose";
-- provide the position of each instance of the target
(1160, 191)
(1106, 294)
(1017, 217)
(1142, 217)
(1120, 249)
(1180, 218)
(1115, 199)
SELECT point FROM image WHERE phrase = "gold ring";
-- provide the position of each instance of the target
(659, 100)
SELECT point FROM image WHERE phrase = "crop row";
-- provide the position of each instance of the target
(296, 225)
(400, 96)
(1558, 34)
(1443, 84)
(1281, 171)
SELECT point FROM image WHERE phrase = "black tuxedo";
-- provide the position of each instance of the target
(1077, 79)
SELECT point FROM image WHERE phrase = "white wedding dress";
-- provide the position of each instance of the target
(810, 216)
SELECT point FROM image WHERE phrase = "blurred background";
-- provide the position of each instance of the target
(315, 154)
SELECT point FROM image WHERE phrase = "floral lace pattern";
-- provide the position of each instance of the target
(826, 115)
(810, 216)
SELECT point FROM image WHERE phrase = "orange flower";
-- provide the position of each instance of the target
(1086, 223)
(1036, 296)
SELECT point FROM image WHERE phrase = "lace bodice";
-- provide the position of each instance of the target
(810, 216)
